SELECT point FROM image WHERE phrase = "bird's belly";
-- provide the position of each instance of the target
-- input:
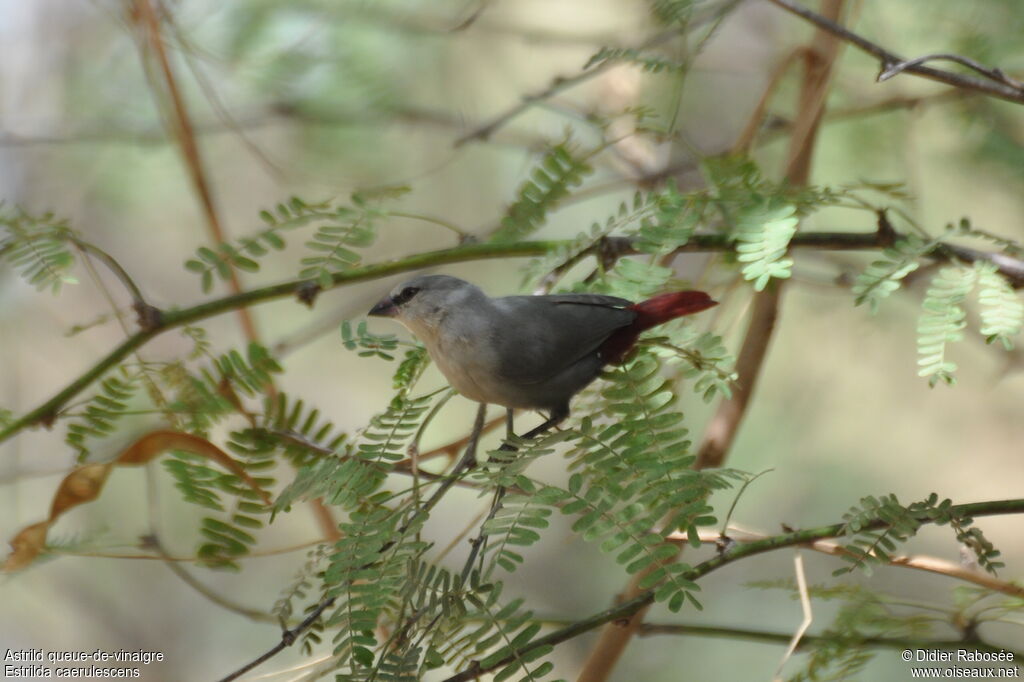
(473, 375)
(467, 377)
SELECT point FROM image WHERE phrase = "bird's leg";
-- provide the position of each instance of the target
(557, 416)
(469, 458)
(509, 426)
(477, 543)
(467, 462)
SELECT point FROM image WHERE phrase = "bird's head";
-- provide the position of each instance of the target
(422, 303)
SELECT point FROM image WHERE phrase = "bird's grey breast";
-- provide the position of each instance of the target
(465, 350)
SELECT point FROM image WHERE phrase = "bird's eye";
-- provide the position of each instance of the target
(405, 295)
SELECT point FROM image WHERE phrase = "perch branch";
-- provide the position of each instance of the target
(1010, 267)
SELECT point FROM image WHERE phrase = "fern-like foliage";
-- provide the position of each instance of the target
(671, 12)
(626, 55)
(942, 321)
(251, 375)
(524, 512)
(671, 221)
(1009, 246)
(869, 546)
(299, 588)
(1002, 312)
(632, 279)
(502, 629)
(410, 369)
(635, 475)
(37, 248)
(214, 391)
(561, 168)
(709, 363)
(335, 245)
(884, 275)
(232, 536)
(341, 230)
(300, 432)
(245, 252)
(762, 234)
(366, 343)
(355, 475)
(367, 572)
(642, 207)
(101, 412)
(206, 396)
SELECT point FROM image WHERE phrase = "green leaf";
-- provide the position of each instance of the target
(885, 274)
(941, 322)
(549, 183)
(763, 232)
(1002, 312)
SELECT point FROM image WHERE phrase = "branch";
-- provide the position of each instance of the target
(648, 629)
(921, 563)
(724, 425)
(996, 83)
(1011, 268)
(120, 132)
(627, 609)
(145, 15)
(561, 83)
(994, 74)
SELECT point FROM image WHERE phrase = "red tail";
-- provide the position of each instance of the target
(651, 313)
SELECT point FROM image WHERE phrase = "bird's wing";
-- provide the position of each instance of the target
(583, 299)
(547, 334)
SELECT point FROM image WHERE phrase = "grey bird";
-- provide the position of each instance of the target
(533, 352)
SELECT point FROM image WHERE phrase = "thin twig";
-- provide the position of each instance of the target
(808, 613)
(190, 580)
(807, 641)
(996, 88)
(995, 74)
(562, 83)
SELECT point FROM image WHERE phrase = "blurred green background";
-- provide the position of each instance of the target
(321, 98)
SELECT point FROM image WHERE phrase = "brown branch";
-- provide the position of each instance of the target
(929, 564)
(146, 16)
(724, 425)
(186, 137)
(749, 133)
(996, 84)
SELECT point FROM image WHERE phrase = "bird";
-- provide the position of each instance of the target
(526, 352)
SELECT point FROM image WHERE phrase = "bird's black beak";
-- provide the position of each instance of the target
(384, 308)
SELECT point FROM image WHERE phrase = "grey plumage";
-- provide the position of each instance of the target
(532, 352)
